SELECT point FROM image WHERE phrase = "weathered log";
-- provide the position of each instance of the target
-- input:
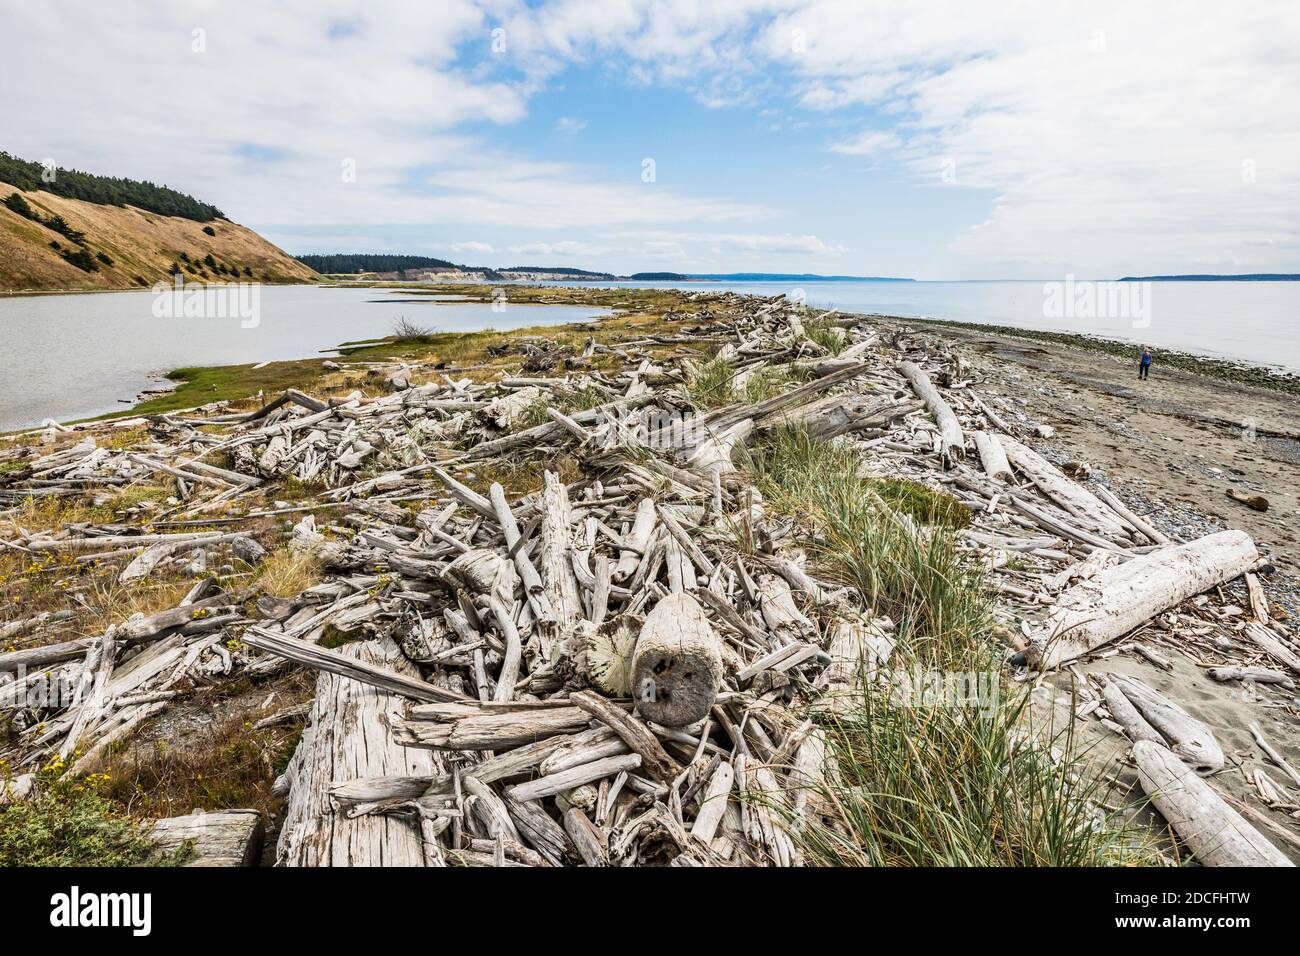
(1260, 675)
(638, 540)
(1214, 832)
(216, 838)
(1116, 601)
(475, 726)
(405, 682)
(952, 439)
(348, 738)
(1127, 716)
(677, 663)
(992, 457)
(1189, 738)
(656, 761)
(1073, 497)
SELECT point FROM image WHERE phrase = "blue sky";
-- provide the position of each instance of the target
(929, 139)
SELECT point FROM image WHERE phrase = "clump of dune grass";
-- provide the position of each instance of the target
(768, 382)
(826, 333)
(916, 781)
(712, 384)
(951, 784)
(287, 572)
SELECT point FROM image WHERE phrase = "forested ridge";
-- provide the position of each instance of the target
(105, 190)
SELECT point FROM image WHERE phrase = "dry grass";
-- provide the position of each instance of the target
(140, 243)
(108, 602)
(231, 766)
(286, 572)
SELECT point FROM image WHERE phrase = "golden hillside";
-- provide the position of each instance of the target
(142, 246)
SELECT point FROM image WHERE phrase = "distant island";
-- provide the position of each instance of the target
(1249, 277)
(752, 277)
(365, 265)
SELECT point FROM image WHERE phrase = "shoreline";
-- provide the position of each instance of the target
(1240, 371)
(465, 383)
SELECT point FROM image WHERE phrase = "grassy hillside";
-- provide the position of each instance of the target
(125, 247)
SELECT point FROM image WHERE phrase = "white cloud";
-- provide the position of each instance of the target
(569, 125)
(1112, 136)
(867, 144)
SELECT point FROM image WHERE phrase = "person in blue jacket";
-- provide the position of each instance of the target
(1144, 364)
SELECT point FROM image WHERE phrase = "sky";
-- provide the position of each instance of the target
(934, 140)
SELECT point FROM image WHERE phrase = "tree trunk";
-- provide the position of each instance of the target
(677, 664)
(1216, 833)
(953, 440)
(1116, 601)
(348, 738)
(992, 457)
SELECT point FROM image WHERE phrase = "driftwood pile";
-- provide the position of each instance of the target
(623, 667)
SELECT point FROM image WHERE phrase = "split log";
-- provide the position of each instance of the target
(405, 681)
(1214, 832)
(1116, 601)
(714, 803)
(218, 838)
(348, 738)
(1189, 738)
(638, 540)
(677, 663)
(952, 439)
(476, 726)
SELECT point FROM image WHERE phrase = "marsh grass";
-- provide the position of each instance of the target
(712, 384)
(925, 783)
(826, 333)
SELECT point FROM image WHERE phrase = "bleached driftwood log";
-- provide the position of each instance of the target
(1216, 833)
(677, 663)
(1191, 739)
(1116, 601)
(348, 738)
(638, 540)
(1127, 716)
(219, 838)
(992, 457)
(952, 439)
(1086, 507)
(714, 453)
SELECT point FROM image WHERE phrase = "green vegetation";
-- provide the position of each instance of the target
(916, 782)
(105, 190)
(826, 333)
(350, 263)
(712, 384)
(18, 204)
(82, 259)
(69, 822)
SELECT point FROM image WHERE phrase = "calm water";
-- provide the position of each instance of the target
(1255, 321)
(73, 356)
